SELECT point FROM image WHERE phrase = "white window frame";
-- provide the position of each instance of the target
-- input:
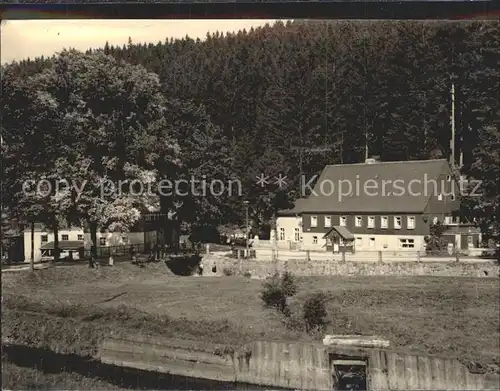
(343, 221)
(382, 219)
(314, 221)
(453, 197)
(448, 178)
(282, 234)
(296, 235)
(329, 219)
(358, 221)
(371, 222)
(398, 226)
(102, 241)
(80, 236)
(448, 220)
(408, 225)
(371, 243)
(406, 243)
(315, 240)
(470, 239)
(63, 235)
(440, 197)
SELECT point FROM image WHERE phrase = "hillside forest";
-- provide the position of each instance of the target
(286, 99)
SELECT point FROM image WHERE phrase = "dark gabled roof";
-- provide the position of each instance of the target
(373, 200)
(342, 231)
(64, 245)
(296, 210)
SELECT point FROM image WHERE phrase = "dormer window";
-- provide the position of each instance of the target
(397, 222)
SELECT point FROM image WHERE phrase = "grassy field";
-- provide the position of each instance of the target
(455, 317)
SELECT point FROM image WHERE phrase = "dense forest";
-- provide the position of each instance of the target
(253, 102)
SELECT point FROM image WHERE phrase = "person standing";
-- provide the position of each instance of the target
(132, 254)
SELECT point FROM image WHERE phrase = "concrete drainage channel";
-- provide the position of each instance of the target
(341, 362)
(121, 376)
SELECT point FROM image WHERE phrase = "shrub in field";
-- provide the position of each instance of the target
(314, 312)
(277, 289)
(227, 271)
(247, 274)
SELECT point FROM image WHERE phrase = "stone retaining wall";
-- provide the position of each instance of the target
(302, 267)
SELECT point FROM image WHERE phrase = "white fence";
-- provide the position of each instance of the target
(269, 254)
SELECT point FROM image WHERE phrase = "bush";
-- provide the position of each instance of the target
(315, 312)
(247, 274)
(276, 290)
(227, 271)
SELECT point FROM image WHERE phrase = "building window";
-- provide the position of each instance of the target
(448, 220)
(80, 237)
(282, 233)
(359, 221)
(470, 240)
(343, 221)
(407, 243)
(372, 242)
(297, 235)
(64, 237)
(453, 198)
(359, 242)
(384, 222)
(328, 221)
(371, 222)
(397, 222)
(315, 240)
(102, 241)
(45, 238)
(410, 223)
(314, 221)
(435, 220)
(440, 197)
(448, 178)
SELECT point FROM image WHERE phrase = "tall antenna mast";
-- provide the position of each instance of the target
(366, 135)
(452, 142)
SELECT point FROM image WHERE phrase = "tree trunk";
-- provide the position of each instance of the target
(55, 228)
(93, 239)
(32, 262)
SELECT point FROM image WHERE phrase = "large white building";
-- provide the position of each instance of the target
(390, 207)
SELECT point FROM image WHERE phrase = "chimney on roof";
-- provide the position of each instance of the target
(372, 160)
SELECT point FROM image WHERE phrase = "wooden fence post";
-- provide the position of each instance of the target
(380, 256)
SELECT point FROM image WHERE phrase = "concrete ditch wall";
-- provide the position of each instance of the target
(304, 366)
(302, 267)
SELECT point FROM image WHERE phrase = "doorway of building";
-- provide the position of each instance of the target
(349, 375)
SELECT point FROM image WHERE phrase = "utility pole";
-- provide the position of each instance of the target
(32, 262)
(452, 142)
(247, 227)
(366, 134)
